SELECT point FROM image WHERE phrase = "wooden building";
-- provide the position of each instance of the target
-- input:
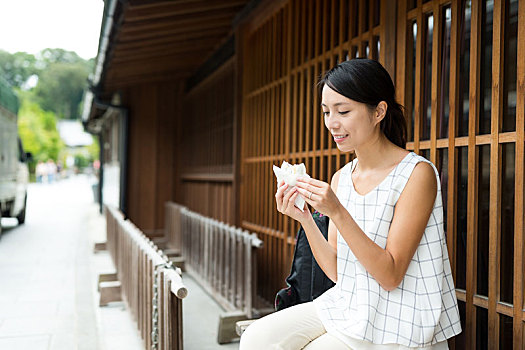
(195, 100)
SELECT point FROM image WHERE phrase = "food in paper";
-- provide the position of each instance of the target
(289, 174)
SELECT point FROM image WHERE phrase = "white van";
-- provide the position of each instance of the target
(14, 173)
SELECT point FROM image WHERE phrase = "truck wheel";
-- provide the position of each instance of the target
(22, 216)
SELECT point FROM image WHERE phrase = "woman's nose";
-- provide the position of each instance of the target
(332, 123)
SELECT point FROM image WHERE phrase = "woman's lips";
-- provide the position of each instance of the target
(339, 140)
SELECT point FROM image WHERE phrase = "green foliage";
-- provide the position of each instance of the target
(37, 130)
(50, 56)
(61, 81)
(81, 161)
(60, 88)
(62, 78)
(17, 68)
(8, 98)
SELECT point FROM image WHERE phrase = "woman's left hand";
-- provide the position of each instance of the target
(319, 195)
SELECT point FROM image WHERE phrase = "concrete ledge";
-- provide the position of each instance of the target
(178, 262)
(241, 326)
(170, 252)
(106, 277)
(227, 321)
(99, 247)
(109, 292)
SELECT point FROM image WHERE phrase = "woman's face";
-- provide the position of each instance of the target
(349, 122)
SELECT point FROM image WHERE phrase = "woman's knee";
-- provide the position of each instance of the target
(255, 336)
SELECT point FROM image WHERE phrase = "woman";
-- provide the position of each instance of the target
(386, 247)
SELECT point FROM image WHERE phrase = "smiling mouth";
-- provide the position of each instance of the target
(340, 137)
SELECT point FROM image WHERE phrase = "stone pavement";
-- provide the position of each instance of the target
(48, 297)
(48, 274)
(201, 319)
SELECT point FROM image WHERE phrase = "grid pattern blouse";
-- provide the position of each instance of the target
(422, 310)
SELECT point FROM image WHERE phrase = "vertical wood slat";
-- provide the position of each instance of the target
(519, 200)
(371, 49)
(472, 200)
(234, 249)
(495, 171)
(137, 258)
(418, 96)
(400, 76)
(453, 171)
(316, 34)
(437, 43)
(287, 104)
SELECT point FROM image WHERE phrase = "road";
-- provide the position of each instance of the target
(47, 274)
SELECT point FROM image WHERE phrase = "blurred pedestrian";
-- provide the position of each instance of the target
(40, 171)
(51, 171)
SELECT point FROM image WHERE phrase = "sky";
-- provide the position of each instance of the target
(34, 25)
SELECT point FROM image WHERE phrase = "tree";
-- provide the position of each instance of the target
(18, 67)
(37, 130)
(61, 86)
(47, 57)
(62, 78)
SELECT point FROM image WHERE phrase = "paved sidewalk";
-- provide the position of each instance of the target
(48, 275)
(47, 270)
(201, 319)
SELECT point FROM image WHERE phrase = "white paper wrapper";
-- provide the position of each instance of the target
(289, 174)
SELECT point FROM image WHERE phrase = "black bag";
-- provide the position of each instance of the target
(307, 280)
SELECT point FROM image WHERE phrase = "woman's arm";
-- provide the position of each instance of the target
(325, 254)
(413, 208)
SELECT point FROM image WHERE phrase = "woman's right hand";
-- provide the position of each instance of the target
(286, 203)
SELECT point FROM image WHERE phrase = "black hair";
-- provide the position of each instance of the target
(367, 81)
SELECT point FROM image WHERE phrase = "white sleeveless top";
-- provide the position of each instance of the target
(422, 311)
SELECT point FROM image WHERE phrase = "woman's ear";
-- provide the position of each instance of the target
(381, 109)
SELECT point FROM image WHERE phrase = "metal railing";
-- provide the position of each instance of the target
(152, 289)
(223, 257)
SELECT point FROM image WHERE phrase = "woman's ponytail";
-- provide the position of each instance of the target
(394, 124)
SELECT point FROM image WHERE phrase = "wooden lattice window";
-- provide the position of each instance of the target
(461, 76)
(284, 56)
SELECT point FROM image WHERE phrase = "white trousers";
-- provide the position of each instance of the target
(297, 327)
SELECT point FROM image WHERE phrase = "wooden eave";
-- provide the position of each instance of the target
(155, 39)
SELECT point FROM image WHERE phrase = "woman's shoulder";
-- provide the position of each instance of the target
(421, 176)
(343, 171)
(415, 163)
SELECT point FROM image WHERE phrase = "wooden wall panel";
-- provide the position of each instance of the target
(459, 68)
(206, 170)
(492, 148)
(151, 152)
(281, 108)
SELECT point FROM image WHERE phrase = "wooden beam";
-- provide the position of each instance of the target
(436, 88)
(179, 8)
(146, 67)
(519, 199)
(174, 30)
(401, 49)
(166, 24)
(472, 200)
(180, 42)
(176, 55)
(498, 51)
(144, 4)
(454, 101)
(420, 66)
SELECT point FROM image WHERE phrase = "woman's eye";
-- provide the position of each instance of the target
(325, 114)
(344, 112)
